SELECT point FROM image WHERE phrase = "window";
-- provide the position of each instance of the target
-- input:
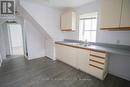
(88, 27)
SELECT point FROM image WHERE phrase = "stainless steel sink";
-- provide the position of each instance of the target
(73, 43)
(79, 44)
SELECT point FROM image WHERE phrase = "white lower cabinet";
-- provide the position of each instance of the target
(70, 57)
(96, 72)
(91, 62)
(60, 52)
(66, 54)
(98, 63)
(83, 59)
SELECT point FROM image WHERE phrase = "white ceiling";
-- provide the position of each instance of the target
(64, 3)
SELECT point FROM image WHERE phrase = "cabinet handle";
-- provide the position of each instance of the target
(97, 56)
(96, 67)
(96, 61)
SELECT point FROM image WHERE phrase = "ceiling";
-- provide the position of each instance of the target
(64, 3)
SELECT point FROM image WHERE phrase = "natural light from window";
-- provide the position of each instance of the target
(88, 27)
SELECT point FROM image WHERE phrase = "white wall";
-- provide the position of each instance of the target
(47, 21)
(113, 37)
(49, 42)
(50, 49)
(48, 18)
(35, 41)
(119, 65)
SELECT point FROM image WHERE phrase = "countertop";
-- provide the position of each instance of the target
(106, 49)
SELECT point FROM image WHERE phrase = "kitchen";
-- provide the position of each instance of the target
(91, 38)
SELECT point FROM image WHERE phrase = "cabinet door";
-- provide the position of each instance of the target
(74, 20)
(71, 56)
(83, 59)
(96, 72)
(66, 54)
(110, 13)
(66, 21)
(125, 17)
(59, 53)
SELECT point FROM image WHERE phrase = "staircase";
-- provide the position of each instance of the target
(46, 20)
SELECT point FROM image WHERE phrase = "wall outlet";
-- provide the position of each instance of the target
(117, 41)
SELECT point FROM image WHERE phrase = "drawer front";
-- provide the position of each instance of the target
(83, 52)
(96, 64)
(98, 54)
(96, 72)
(102, 60)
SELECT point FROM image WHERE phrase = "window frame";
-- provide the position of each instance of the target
(91, 30)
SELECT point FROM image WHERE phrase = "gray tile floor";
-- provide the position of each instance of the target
(43, 72)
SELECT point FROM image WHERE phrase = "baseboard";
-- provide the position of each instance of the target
(50, 58)
(119, 75)
(35, 57)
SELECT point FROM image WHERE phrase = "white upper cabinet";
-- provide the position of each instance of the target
(115, 15)
(68, 21)
(110, 13)
(125, 16)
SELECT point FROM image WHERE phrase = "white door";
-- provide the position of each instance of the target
(15, 39)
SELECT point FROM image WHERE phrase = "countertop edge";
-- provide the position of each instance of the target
(85, 48)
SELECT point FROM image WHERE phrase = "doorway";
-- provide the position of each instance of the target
(15, 36)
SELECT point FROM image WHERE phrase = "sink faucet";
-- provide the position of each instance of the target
(85, 42)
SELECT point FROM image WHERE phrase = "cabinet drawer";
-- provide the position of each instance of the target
(97, 59)
(99, 54)
(96, 64)
(99, 73)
